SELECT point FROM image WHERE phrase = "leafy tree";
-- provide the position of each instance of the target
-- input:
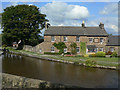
(22, 22)
(73, 47)
(60, 46)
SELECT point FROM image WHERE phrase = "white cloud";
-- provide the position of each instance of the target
(61, 0)
(110, 24)
(59, 12)
(111, 8)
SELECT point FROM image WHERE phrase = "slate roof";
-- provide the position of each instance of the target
(113, 40)
(75, 31)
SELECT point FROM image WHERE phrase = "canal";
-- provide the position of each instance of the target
(56, 72)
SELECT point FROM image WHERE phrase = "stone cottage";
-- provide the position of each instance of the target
(96, 38)
(113, 44)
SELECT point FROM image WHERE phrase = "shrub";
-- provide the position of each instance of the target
(76, 62)
(50, 53)
(83, 48)
(69, 55)
(108, 53)
(86, 55)
(73, 48)
(92, 55)
(60, 46)
(90, 63)
(100, 54)
(114, 54)
(78, 55)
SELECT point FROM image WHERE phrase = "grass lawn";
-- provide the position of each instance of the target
(100, 60)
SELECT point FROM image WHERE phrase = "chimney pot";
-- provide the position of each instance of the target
(83, 24)
(101, 25)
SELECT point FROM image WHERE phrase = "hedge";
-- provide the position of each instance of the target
(51, 53)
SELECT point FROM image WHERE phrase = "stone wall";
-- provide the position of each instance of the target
(13, 81)
(47, 44)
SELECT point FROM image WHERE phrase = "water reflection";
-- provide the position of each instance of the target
(59, 72)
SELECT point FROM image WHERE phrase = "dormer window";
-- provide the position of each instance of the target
(65, 38)
(52, 39)
(77, 38)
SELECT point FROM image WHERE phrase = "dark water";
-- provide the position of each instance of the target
(58, 72)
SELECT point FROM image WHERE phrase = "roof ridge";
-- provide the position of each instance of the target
(77, 26)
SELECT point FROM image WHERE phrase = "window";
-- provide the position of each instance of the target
(112, 49)
(52, 38)
(77, 38)
(65, 38)
(52, 49)
(96, 40)
(65, 50)
(96, 49)
(77, 49)
(101, 49)
(40, 50)
(101, 40)
(91, 40)
(91, 50)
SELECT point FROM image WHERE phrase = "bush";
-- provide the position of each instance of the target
(114, 54)
(60, 46)
(86, 55)
(50, 53)
(73, 48)
(100, 54)
(90, 63)
(70, 55)
(108, 53)
(92, 55)
(76, 62)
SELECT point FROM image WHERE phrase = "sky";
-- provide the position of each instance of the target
(69, 13)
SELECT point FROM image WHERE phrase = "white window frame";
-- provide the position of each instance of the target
(96, 49)
(52, 37)
(78, 49)
(91, 39)
(78, 38)
(64, 38)
(101, 49)
(65, 50)
(112, 49)
(40, 50)
(52, 50)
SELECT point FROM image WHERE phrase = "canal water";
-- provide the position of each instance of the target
(56, 72)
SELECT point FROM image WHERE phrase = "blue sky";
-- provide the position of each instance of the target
(73, 13)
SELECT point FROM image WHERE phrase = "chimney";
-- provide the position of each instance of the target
(101, 25)
(83, 24)
(46, 25)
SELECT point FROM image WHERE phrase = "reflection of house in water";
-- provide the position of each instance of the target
(96, 38)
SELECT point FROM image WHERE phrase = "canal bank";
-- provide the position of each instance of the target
(14, 81)
(81, 62)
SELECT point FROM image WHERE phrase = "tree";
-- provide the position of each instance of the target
(73, 47)
(60, 46)
(22, 22)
